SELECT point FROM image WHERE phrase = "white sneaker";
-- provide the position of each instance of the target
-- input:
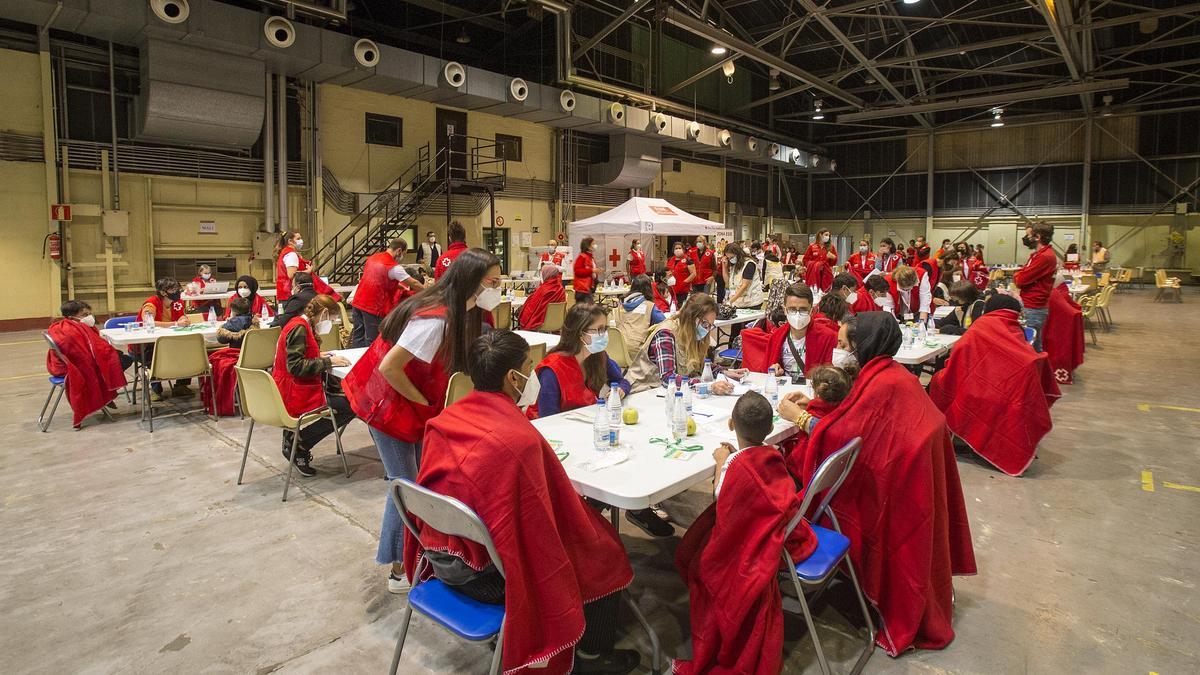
(398, 585)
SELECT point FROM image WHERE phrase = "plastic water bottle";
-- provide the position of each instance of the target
(148, 320)
(671, 402)
(706, 380)
(601, 433)
(614, 413)
(686, 388)
(212, 315)
(932, 328)
(772, 390)
(920, 338)
(266, 314)
(679, 422)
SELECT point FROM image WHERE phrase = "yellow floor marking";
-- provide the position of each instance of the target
(23, 377)
(1177, 486)
(24, 342)
(1145, 407)
(1148, 481)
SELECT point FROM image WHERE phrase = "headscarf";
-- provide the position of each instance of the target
(548, 272)
(1001, 301)
(251, 283)
(874, 334)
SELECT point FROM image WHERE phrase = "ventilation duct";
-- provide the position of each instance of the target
(440, 80)
(634, 162)
(219, 105)
(482, 88)
(524, 100)
(279, 32)
(548, 106)
(171, 11)
(366, 53)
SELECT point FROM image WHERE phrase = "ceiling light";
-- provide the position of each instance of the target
(817, 114)
(728, 69)
(1106, 111)
(869, 79)
(718, 50)
(463, 38)
(997, 117)
(911, 2)
(773, 83)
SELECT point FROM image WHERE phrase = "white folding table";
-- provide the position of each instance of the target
(119, 337)
(921, 352)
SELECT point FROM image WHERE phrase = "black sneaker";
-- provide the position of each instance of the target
(616, 662)
(303, 458)
(649, 522)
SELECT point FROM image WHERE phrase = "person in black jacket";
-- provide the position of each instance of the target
(302, 294)
(968, 307)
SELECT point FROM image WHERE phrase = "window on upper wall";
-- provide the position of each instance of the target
(385, 130)
(508, 147)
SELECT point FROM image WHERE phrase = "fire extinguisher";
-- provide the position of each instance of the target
(54, 245)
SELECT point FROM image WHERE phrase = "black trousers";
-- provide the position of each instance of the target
(581, 298)
(600, 616)
(366, 328)
(317, 431)
(720, 289)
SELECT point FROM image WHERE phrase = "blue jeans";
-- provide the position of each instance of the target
(1036, 319)
(400, 460)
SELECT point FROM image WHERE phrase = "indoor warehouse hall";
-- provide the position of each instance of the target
(599, 337)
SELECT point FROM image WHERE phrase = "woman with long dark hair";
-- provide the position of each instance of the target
(288, 262)
(578, 369)
(585, 271)
(400, 383)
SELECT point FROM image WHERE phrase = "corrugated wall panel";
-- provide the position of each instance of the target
(1053, 143)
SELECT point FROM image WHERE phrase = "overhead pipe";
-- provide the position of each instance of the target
(268, 150)
(112, 114)
(984, 101)
(281, 148)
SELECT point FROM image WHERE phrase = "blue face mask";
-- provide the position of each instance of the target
(701, 331)
(598, 344)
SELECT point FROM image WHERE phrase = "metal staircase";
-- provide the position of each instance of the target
(467, 165)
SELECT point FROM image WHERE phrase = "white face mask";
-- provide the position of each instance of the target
(883, 302)
(844, 359)
(488, 298)
(89, 320)
(825, 239)
(206, 276)
(798, 320)
(244, 292)
(906, 290)
(529, 393)
(850, 299)
(678, 253)
(323, 327)
(863, 249)
(299, 243)
(957, 277)
(670, 281)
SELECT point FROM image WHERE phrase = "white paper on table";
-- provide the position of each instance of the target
(738, 387)
(705, 414)
(606, 459)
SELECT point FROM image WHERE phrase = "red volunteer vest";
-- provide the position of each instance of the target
(377, 293)
(443, 263)
(678, 269)
(283, 284)
(573, 390)
(160, 310)
(914, 295)
(584, 268)
(637, 263)
(300, 394)
(861, 265)
(256, 305)
(703, 263)
(374, 399)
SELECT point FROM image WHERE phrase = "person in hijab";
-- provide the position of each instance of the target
(533, 312)
(902, 505)
(247, 287)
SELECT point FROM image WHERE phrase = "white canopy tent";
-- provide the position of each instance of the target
(640, 218)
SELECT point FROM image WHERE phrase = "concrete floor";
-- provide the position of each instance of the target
(122, 551)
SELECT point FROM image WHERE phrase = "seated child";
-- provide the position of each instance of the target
(240, 320)
(730, 555)
(831, 385)
(94, 370)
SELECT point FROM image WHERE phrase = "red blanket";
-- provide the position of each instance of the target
(818, 275)
(1062, 336)
(761, 350)
(533, 312)
(224, 381)
(93, 367)
(729, 559)
(557, 552)
(901, 506)
(996, 392)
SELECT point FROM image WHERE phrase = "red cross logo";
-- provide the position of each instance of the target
(615, 258)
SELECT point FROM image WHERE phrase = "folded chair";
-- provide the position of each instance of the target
(264, 405)
(833, 549)
(1167, 286)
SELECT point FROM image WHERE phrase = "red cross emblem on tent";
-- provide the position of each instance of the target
(615, 258)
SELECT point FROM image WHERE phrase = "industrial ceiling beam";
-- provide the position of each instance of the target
(716, 35)
(717, 66)
(987, 101)
(448, 9)
(1058, 18)
(633, 8)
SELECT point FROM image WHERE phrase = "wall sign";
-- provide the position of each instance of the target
(208, 227)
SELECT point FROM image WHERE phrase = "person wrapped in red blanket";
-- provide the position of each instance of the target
(995, 391)
(793, 348)
(563, 564)
(902, 505)
(730, 556)
(533, 312)
(1062, 336)
(94, 370)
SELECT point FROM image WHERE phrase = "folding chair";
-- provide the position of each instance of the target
(617, 349)
(57, 383)
(833, 548)
(459, 386)
(264, 405)
(131, 388)
(537, 353)
(1030, 334)
(467, 618)
(1088, 307)
(176, 357)
(556, 312)
(258, 352)
(502, 316)
(1167, 286)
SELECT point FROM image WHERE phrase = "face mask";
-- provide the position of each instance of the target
(488, 298)
(700, 245)
(701, 331)
(1028, 241)
(529, 393)
(598, 344)
(844, 359)
(244, 292)
(670, 281)
(863, 249)
(678, 253)
(957, 277)
(746, 250)
(761, 255)
(299, 243)
(323, 327)
(881, 301)
(173, 297)
(850, 299)
(798, 320)
(825, 239)
(206, 276)
(89, 320)
(906, 290)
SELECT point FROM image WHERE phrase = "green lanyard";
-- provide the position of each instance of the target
(675, 446)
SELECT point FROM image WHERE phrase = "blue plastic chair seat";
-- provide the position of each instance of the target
(831, 548)
(730, 353)
(466, 618)
(57, 380)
